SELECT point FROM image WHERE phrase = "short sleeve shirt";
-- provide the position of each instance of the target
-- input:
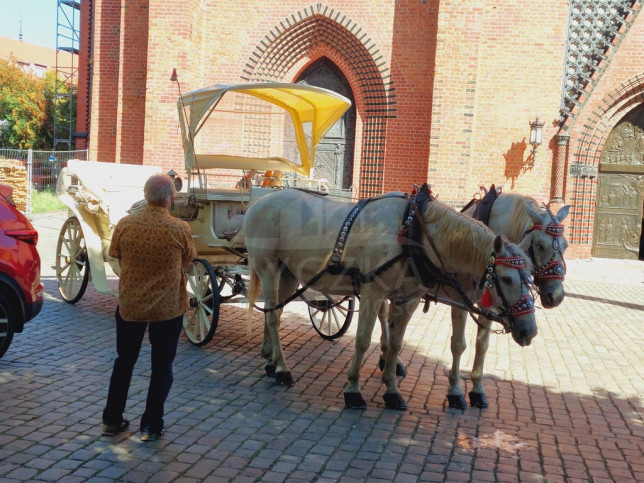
(153, 249)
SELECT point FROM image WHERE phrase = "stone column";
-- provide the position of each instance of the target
(559, 169)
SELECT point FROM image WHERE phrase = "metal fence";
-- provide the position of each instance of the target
(41, 168)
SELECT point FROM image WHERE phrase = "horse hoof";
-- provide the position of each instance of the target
(400, 369)
(457, 402)
(284, 379)
(394, 401)
(478, 400)
(354, 400)
(270, 370)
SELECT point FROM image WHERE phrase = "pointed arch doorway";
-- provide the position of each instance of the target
(334, 155)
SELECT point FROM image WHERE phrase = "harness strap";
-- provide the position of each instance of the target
(297, 293)
(334, 266)
(340, 241)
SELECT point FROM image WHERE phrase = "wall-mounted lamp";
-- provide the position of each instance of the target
(536, 136)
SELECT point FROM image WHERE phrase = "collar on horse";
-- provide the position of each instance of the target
(484, 205)
(410, 239)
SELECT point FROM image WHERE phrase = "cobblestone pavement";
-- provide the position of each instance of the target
(567, 408)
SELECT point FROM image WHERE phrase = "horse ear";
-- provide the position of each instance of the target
(498, 244)
(563, 213)
(533, 211)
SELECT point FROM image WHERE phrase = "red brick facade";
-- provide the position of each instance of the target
(444, 90)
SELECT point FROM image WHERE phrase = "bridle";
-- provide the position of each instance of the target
(489, 279)
(553, 269)
(525, 304)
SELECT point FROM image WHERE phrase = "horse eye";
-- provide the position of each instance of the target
(506, 280)
(540, 246)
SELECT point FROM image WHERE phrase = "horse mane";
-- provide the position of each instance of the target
(460, 237)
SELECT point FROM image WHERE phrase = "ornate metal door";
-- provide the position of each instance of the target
(334, 155)
(620, 192)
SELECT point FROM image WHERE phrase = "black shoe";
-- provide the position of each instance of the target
(114, 429)
(148, 435)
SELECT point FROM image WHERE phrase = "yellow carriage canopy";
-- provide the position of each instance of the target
(268, 126)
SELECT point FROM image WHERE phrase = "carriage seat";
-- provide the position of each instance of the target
(272, 179)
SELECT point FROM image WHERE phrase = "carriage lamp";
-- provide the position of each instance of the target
(536, 136)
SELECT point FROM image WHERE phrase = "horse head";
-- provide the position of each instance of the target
(506, 291)
(546, 246)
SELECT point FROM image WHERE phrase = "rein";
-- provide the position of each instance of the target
(523, 306)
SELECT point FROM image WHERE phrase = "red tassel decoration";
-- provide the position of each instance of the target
(486, 300)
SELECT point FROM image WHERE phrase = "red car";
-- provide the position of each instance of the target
(21, 293)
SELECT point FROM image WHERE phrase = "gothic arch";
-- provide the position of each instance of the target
(320, 31)
(593, 134)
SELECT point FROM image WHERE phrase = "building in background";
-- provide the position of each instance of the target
(32, 58)
(443, 90)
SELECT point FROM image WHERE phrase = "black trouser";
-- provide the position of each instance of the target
(164, 339)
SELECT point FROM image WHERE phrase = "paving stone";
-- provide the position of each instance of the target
(560, 409)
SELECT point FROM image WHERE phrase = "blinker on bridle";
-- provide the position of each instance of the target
(523, 306)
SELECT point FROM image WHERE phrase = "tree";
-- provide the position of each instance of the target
(26, 103)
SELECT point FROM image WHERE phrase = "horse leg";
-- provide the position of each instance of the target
(270, 275)
(477, 394)
(455, 396)
(383, 317)
(366, 320)
(400, 313)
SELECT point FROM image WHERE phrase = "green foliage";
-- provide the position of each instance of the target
(45, 200)
(26, 103)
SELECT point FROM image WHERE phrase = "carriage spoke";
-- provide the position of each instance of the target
(200, 321)
(72, 268)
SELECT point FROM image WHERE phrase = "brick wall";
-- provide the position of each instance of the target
(444, 90)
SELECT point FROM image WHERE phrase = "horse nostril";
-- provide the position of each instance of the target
(524, 337)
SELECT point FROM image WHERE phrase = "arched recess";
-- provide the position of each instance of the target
(320, 31)
(585, 160)
(620, 190)
(334, 156)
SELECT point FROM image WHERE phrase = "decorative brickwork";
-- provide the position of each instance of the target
(320, 30)
(594, 132)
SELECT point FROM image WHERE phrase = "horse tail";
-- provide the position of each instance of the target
(254, 286)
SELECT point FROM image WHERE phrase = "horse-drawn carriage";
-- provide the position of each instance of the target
(269, 133)
(240, 143)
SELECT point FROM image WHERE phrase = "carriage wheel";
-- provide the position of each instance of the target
(72, 265)
(200, 320)
(224, 284)
(331, 317)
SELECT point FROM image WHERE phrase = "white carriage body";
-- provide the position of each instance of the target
(270, 130)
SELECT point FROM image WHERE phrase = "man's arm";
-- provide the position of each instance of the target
(115, 245)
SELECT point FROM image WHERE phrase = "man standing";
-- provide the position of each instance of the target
(153, 249)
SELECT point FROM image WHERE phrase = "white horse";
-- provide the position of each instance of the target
(295, 237)
(540, 234)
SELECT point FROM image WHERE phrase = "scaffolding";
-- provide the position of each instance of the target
(66, 84)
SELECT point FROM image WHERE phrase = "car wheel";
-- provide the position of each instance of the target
(7, 323)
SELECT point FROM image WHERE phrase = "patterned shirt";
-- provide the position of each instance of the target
(153, 248)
